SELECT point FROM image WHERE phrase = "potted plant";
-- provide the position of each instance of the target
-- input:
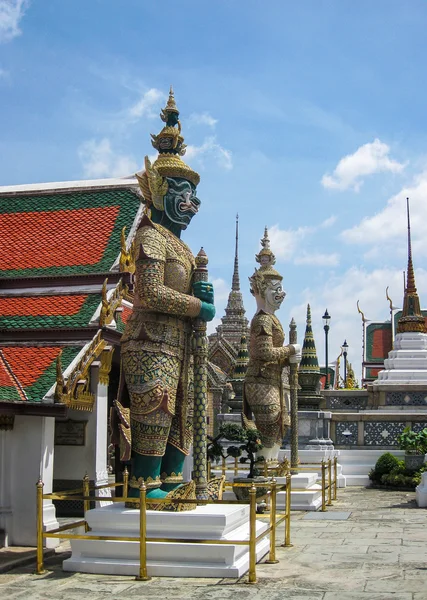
(415, 447)
(246, 452)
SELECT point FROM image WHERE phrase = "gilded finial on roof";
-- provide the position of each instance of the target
(127, 259)
(364, 320)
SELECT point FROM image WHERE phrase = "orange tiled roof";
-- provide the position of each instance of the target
(126, 313)
(63, 232)
(34, 367)
(45, 311)
(41, 305)
(28, 363)
(79, 237)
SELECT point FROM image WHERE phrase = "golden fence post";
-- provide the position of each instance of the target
(142, 534)
(273, 497)
(86, 503)
(329, 482)
(125, 483)
(236, 466)
(323, 486)
(40, 570)
(335, 476)
(209, 467)
(288, 511)
(223, 467)
(252, 535)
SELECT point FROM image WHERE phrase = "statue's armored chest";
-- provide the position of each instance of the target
(179, 266)
(278, 334)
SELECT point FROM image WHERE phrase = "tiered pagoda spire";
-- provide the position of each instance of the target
(411, 319)
(309, 362)
(309, 372)
(234, 324)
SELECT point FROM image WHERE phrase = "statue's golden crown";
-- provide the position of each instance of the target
(170, 145)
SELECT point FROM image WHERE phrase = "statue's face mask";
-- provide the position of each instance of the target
(274, 294)
(180, 201)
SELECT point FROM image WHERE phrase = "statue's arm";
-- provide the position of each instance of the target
(264, 349)
(152, 293)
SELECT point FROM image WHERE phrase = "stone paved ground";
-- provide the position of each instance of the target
(379, 553)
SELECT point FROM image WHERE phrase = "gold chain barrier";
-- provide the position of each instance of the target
(84, 494)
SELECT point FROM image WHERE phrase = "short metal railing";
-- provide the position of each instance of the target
(84, 494)
(328, 474)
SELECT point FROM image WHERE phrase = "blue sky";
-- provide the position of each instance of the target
(307, 117)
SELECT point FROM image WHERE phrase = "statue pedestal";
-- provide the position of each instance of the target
(210, 522)
(314, 428)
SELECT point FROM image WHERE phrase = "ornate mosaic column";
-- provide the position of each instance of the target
(200, 354)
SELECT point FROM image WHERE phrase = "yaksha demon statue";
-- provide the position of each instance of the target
(154, 407)
(263, 388)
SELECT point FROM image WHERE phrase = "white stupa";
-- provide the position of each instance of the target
(407, 362)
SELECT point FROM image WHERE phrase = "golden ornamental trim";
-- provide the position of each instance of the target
(75, 391)
(110, 306)
(127, 256)
(106, 359)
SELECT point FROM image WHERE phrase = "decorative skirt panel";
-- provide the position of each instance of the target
(160, 392)
(270, 415)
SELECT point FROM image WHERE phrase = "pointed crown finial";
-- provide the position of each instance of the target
(265, 256)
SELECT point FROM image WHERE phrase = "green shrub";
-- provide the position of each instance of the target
(412, 442)
(384, 465)
(399, 480)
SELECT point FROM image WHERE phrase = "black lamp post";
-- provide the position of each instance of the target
(344, 349)
(326, 318)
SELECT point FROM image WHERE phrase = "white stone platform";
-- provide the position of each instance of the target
(306, 494)
(407, 362)
(176, 559)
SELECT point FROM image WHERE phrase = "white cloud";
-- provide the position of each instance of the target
(329, 221)
(210, 149)
(284, 242)
(368, 159)
(3, 73)
(317, 259)
(222, 290)
(147, 106)
(389, 225)
(100, 160)
(202, 119)
(11, 13)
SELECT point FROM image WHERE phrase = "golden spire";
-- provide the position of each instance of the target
(170, 145)
(170, 106)
(411, 319)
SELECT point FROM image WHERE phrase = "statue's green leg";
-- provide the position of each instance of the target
(147, 468)
(172, 468)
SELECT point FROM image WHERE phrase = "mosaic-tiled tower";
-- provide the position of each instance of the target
(238, 376)
(309, 372)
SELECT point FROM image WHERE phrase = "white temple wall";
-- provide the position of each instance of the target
(29, 456)
(73, 461)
